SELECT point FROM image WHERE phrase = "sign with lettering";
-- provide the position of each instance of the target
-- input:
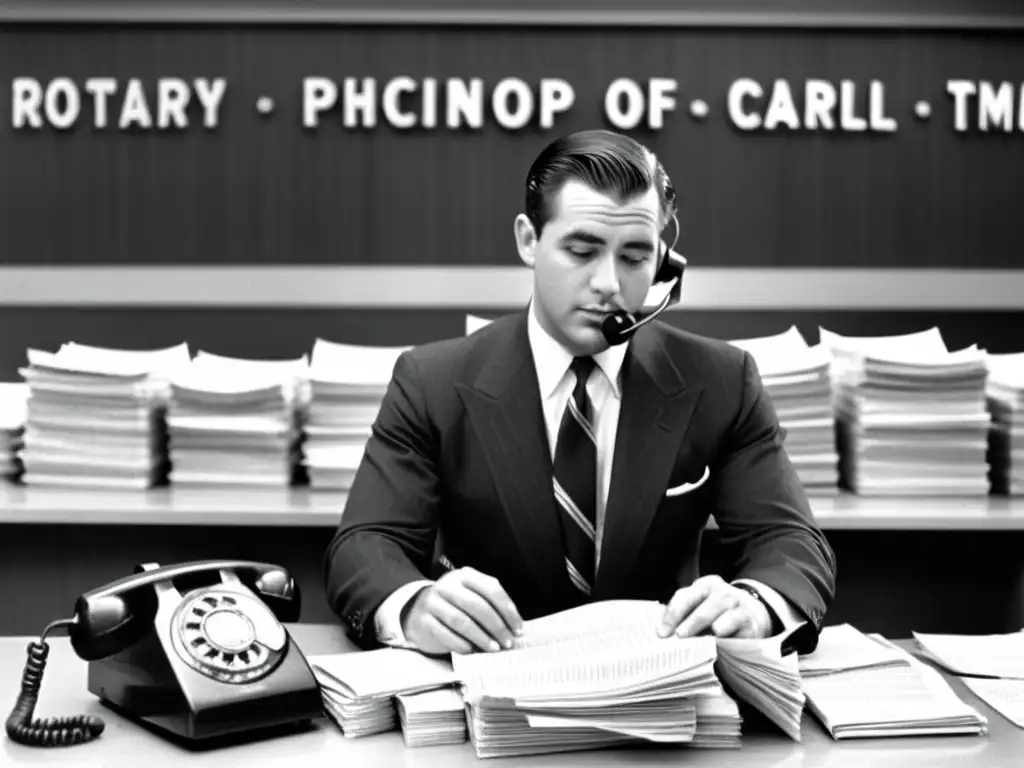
(390, 144)
(513, 104)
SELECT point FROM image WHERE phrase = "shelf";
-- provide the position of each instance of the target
(256, 507)
(304, 507)
(847, 512)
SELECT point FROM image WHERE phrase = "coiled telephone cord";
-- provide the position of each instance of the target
(51, 731)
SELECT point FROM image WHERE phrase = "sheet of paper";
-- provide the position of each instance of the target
(1004, 696)
(976, 655)
(383, 672)
(844, 647)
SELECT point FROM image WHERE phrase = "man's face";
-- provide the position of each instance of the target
(595, 255)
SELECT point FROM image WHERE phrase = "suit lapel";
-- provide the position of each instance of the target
(504, 408)
(654, 417)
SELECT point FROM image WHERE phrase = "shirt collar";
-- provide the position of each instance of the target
(552, 360)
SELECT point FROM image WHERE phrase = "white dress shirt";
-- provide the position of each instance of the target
(556, 383)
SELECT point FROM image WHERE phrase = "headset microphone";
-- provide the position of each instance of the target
(619, 327)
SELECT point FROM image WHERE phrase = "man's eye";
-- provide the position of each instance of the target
(580, 250)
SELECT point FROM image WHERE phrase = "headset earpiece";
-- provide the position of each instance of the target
(619, 327)
(671, 265)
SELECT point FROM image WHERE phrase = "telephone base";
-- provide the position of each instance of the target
(212, 743)
(147, 684)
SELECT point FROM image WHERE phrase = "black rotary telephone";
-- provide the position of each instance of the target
(195, 651)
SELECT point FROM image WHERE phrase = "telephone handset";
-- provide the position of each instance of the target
(195, 651)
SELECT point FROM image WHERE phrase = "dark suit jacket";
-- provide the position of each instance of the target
(459, 446)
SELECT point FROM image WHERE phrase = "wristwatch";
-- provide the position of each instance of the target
(776, 622)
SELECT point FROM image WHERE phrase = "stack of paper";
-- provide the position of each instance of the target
(13, 412)
(96, 416)
(234, 421)
(912, 416)
(763, 676)
(796, 378)
(347, 385)
(359, 689)
(1005, 393)
(432, 718)
(718, 722)
(599, 676)
(858, 691)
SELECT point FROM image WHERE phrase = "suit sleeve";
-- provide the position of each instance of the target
(388, 530)
(764, 516)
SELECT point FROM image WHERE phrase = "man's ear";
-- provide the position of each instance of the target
(526, 239)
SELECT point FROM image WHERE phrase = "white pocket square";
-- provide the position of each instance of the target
(679, 490)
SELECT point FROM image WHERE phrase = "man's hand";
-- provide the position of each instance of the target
(465, 610)
(711, 603)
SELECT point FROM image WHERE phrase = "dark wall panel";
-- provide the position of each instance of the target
(894, 583)
(263, 189)
(290, 333)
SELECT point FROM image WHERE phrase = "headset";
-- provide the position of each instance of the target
(619, 326)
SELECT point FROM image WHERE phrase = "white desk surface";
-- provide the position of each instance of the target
(126, 744)
(298, 507)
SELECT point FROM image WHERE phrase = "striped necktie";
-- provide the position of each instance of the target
(575, 480)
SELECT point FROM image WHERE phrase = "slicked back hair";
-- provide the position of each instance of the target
(610, 163)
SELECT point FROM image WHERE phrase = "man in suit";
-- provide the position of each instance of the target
(557, 469)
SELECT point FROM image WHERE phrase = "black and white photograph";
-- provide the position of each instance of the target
(563, 384)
